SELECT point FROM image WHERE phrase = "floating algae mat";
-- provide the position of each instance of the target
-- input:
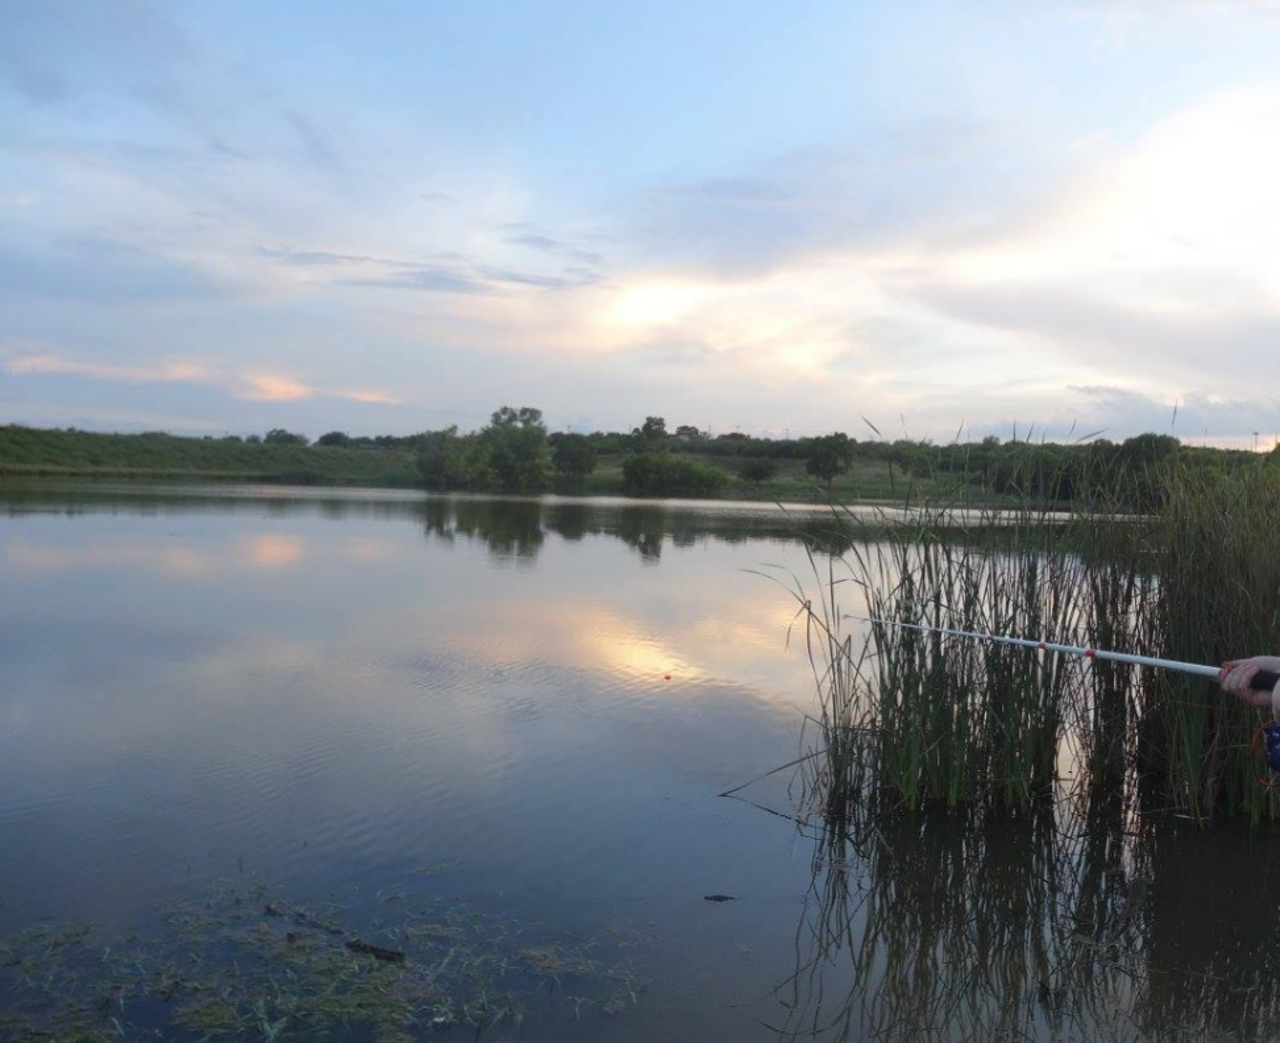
(243, 963)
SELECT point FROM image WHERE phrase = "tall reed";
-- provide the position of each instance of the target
(927, 719)
(958, 721)
(1216, 544)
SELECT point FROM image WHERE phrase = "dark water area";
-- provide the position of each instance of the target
(526, 710)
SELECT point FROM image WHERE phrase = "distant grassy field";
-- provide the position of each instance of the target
(35, 452)
(31, 451)
(866, 480)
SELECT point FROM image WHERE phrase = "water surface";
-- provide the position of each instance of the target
(530, 708)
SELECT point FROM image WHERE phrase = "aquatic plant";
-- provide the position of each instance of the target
(241, 963)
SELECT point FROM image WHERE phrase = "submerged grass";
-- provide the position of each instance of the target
(915, 719)
(242, 964)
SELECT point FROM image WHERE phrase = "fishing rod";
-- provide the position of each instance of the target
(1263, 680)
(1267, 736)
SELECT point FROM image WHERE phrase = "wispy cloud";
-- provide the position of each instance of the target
(318, 258)
(266, 387)
(262, 387)
(162, 373)
(530, 236)
(317, 147)
(374, 398)
(450, 274)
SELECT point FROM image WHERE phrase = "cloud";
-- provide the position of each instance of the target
(431, 278)
(54, 53)
(1155, 262)
(320, 258)
(267, 388)
(367, 397)
(445, 275)
(1104, 331)
(911, 183)
(162, 373)
(317, 147)
(260, 387)
(522, 233)
(1191, 417)
(107, 269)
(840, 275)
(566, 278)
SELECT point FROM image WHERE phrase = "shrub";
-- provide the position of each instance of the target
(279, 436)
(574, 456)
(758, 469)
(661, 474)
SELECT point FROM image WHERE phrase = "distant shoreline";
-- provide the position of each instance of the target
(33, 453)
(221, 479)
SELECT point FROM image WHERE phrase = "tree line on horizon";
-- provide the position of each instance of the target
(516, 453)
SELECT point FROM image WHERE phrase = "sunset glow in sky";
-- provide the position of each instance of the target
(387, 216)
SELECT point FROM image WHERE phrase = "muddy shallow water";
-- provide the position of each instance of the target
(398, 710)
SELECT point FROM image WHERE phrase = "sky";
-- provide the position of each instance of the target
(947, 219)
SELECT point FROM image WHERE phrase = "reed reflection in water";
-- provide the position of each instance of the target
(1071, 924)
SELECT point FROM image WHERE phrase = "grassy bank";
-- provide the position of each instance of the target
(31, 451)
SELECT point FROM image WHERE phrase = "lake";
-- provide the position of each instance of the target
(381, 719)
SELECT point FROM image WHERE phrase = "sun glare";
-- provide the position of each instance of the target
(648, 305)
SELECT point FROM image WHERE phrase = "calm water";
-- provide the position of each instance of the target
(382, 700)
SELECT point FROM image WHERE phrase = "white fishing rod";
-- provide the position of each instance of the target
(1263, 680)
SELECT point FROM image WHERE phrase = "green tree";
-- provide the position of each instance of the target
(651, 436)
(757, 469)
(279, 436)
(447, 460)
(337, 438)
(1142, 462)
(829, 456)
(1148, 449)
(516, 449)
(574, 456)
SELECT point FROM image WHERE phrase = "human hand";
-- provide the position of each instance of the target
(1237, 678)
